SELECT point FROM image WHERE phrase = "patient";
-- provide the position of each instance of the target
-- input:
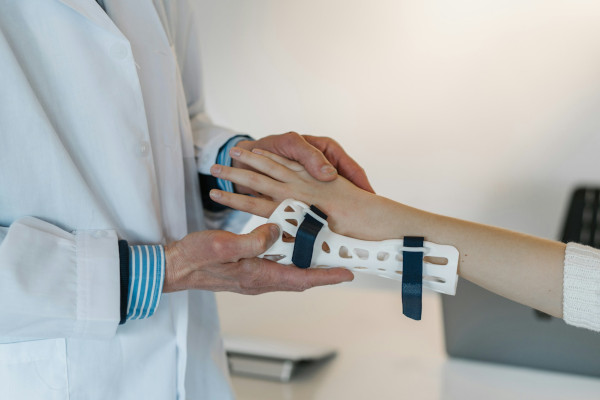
(523, 268)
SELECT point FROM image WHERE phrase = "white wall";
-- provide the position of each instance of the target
(479, 109)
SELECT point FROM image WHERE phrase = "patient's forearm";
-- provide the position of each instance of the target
(523, 268)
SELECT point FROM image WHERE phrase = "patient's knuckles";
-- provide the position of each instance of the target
(253, 180)
(283, 192)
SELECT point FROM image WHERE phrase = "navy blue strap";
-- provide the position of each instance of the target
(305, 238)
(412, 278)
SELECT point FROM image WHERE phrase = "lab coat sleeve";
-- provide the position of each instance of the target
(57, 284)
(208, 137)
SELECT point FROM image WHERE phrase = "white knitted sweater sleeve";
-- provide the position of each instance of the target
(581, 287)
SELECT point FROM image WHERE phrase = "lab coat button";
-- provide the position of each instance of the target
(143, 148)
(119, 51)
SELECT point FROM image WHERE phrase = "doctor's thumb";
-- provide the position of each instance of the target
(258, 241)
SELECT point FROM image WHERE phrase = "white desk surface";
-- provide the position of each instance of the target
(381, 354)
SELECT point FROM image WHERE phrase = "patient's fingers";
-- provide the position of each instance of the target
(252, 205)
(291, 164)
(253, 180)
(263, 164)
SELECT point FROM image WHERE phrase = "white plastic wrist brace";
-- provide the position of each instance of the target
(382, 258)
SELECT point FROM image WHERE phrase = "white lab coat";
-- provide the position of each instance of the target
(101, 123)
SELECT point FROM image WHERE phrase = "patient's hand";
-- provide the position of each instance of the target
(523, 268)
(352, 211)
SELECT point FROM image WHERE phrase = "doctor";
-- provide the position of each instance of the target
(103, 135)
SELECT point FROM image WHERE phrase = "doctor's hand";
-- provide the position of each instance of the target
(224, 261)
(322, 157)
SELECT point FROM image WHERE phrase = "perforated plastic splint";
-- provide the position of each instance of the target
(381, 258)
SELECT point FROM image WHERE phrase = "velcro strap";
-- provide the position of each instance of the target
(305, 238)
(412, 278)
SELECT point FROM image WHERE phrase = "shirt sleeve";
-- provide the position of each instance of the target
(224, 158)
(581, 287)
(55, 283)
(146, 278)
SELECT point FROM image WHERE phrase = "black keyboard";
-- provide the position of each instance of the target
(583, 219)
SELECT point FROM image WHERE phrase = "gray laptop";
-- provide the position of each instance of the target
(483, 326)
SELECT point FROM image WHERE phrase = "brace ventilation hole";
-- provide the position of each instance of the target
(287, 238)
(274, 257)
(292, 221)
(325, 248)
(382, 269)
(399, 257)
(398, 272)
(360, 268)
(436, 260)
(383, 255)
(344, 252)
(289, 209)
(362, 254)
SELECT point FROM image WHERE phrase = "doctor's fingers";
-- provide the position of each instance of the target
(294, 147)
(346, 165)
(276, 168)
(261, 276)
(250, 179)
(253, 205)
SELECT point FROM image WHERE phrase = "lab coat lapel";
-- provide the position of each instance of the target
(90, 10)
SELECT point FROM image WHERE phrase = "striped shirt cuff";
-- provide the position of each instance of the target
(146, 277)
(223, 158)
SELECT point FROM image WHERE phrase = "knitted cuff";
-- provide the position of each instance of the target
(581, 287)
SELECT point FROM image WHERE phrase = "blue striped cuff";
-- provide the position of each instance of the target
(224, 158)
(146, 277)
